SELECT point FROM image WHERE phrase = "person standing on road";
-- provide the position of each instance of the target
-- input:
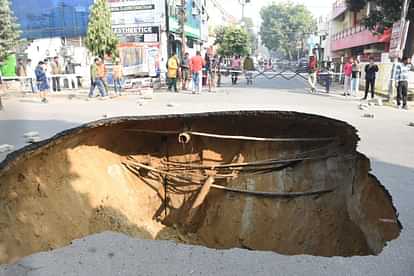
(172, 73)
(236, 67)
(96, 78)
(371, 70)
(213, 72)
(196, 66)
(313, 72)
(117, 74)
(208, 67)
(348, 76)
(248, 68)
(356, 75)
(220, 66)
(42, 81)
(401, 77)
(31, 75)
(21, 71)
(56, 70)
(185, 69)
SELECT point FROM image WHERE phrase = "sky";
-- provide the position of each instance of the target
(317, 7)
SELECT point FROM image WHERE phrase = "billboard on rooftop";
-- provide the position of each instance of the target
(52, 18)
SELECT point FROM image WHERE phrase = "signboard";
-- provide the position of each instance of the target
(138, 34)
(140, 59)
(137, 25)
(398, 39)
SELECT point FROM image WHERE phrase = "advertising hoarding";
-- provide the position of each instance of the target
(52, 18)
(137, 25)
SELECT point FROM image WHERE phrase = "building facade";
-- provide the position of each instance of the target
(349, 37)
(148, 30)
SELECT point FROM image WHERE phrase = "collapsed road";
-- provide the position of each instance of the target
(286, 182)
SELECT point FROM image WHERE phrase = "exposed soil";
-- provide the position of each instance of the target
(78, 183)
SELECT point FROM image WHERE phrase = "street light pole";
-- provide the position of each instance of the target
(242, 3)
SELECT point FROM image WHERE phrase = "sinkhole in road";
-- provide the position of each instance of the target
(286, 182)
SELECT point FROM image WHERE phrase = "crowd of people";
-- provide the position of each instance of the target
(46, 76)
(192, 72)
(352, 72)
(45, 72)
(399, 75)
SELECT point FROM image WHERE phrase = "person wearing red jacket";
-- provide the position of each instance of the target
(196, 67)
(313, 72)
(348, 76)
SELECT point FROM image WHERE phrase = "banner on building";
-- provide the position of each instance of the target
(137, 25)
(138, 34)
(130, 13)
(52, 18)
(398, 39)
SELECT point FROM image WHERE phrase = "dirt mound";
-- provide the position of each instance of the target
(287, 182)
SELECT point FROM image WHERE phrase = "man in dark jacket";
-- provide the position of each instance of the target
(371, 70)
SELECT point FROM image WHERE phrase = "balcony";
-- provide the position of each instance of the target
(357, 36)
(338, 8)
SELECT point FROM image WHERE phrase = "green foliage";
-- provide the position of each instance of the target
(285, 25)
(356, 5)
(9, 30)
(388, 12)
(100, 38)
(219, 32)
(232, 41)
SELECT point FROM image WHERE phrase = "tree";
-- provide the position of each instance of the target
(232, 40)
(9, 30)
(100, 38)
(9, 33)
(384, 15)
(219, 32)
(285, 25)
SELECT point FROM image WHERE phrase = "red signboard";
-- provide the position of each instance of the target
(362, 38)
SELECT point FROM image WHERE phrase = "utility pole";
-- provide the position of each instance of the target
(243, 4)
(403, 23)
(183, 19)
